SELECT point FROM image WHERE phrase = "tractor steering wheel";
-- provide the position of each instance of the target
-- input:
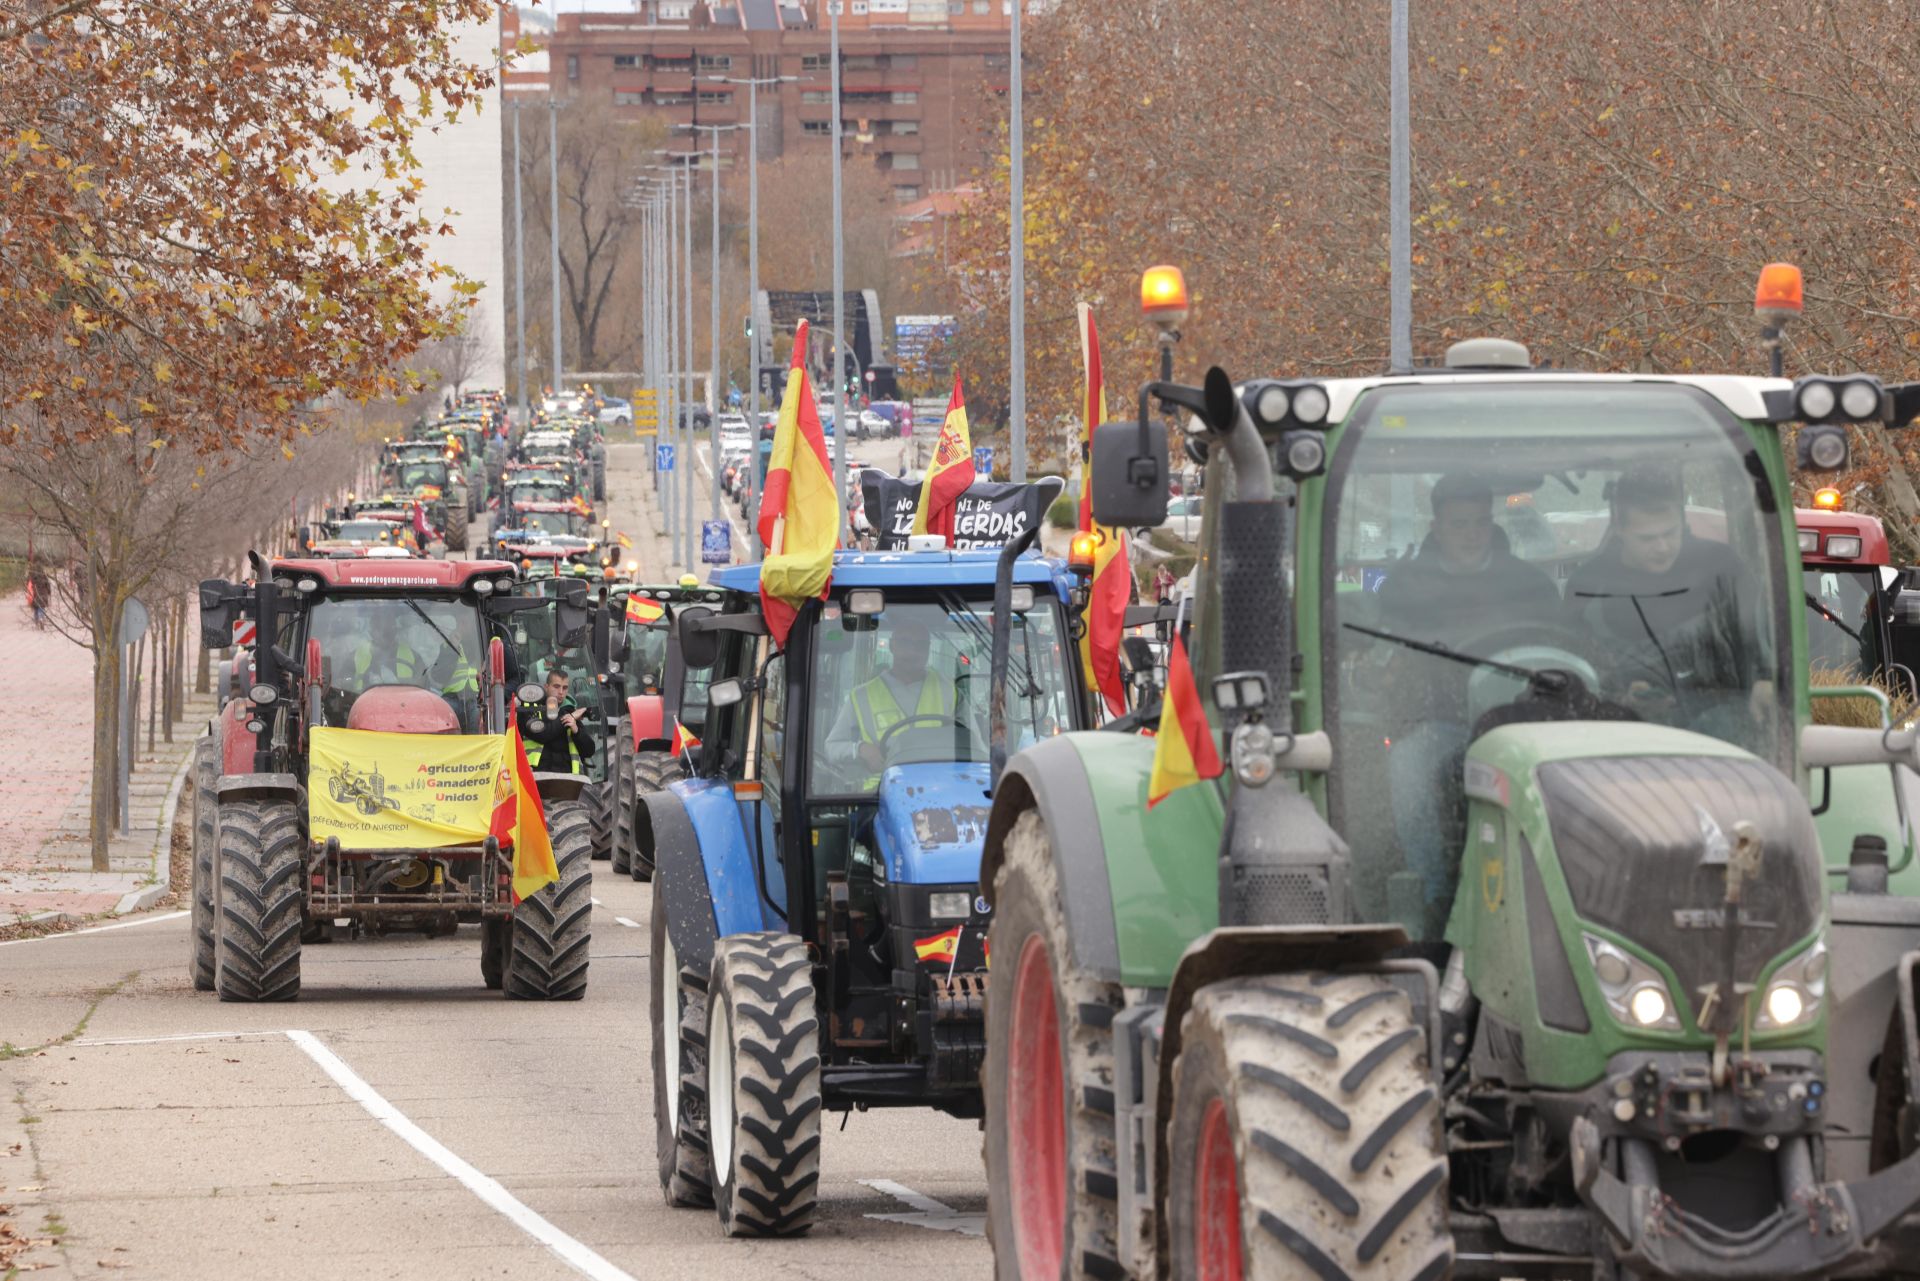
(935, 718)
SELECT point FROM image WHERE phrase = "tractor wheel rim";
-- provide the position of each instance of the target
(1036, 1118)
(720, 1087)
(1216, 1201)
(670, 1014)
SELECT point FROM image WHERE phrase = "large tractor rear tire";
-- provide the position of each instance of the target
(679, 1068)
(1305, 1140)
(552, 930)
(262, 888)
(763, 1085)
(206, 834)
(496, 940)
(598, 798)
(652, 771)
(1052, 1165)
(456, 518)
(620, 779)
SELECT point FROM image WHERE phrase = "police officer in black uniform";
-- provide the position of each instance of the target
(554, 731)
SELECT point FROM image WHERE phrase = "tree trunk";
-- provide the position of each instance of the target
(106, 737)
(153, 680)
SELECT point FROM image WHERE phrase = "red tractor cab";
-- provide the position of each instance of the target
(1863, 621)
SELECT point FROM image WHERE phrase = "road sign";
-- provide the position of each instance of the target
(663, 457)
(646, 418)
(716, 543)
(243, 631)
(646, 431)
(983, 461)
(646, 394)
(133, 621)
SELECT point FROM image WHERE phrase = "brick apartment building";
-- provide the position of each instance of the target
(922, 81)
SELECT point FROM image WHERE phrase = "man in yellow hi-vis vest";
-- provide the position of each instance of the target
(879, 704)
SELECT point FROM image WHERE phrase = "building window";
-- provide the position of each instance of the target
(626, 62)
(716, 62)
(672, 99)
(906, 195)
(906, 126)
(823, 127)
(573, 66)
(981, 7)
(903, 61)
(905, 160)
(629, 98)
(816, 62)
(816, 97)
(715, 95)
(863, 62)
(904, 97)
(956, 7)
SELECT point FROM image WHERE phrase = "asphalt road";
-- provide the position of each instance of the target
(399, 1120)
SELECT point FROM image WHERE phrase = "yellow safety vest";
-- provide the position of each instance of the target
(875, 711)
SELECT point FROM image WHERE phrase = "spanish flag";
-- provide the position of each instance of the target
(800, 507)
(1183, 749)
(518, 820)
(644, 610)
(1108, 594)
(941, 947)
(950, 472)
(683, 739)
(624, 541)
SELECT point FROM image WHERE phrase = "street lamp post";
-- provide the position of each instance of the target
(553, 184)
(519, 272)
(1017, 252)
(1399, 183)
(713, 317)
(753, 287)
(839, 268)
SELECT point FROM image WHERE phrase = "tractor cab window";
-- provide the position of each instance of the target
(911, 685)
(1843, 635)
(547, 522)
(1607, 537)
(416, 474)
(374, 641)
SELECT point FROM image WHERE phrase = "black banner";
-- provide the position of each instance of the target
(988, 514)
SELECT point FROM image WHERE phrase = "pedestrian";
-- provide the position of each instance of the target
(39, 593)
(553, 727)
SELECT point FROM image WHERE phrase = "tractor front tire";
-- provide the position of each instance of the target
(1305, 1138)
(763, 1085)
(598, 798)
(679, 1068)
(455, 532)
(552, 929)
(496, 940)
(262, 888)
(652, 771)
(620, 783)
(1052, 1164)
(206, 835)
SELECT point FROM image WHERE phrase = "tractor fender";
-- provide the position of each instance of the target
(1051, 776)
(647, 716)
(559, 786)
(237, 742)
(703, 864)
(258, 787)
(1239, 952)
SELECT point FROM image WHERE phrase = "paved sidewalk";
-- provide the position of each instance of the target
(46, 744)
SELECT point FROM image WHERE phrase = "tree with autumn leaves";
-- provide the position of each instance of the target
(212, 230)
(1602, 182)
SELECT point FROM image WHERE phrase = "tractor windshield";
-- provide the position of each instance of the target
(548, 522)
(911, 684)
(1843, 637)
(429, 643)
(422, 473)
(1605, 537)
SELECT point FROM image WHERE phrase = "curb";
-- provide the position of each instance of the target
(141, 899)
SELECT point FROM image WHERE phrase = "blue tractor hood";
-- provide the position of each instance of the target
(933, 822)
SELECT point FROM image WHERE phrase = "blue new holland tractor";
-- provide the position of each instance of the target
(818, 940)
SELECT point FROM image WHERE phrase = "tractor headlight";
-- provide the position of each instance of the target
(1633, 989)
(1305, 453)
(1310, 405)
(1809, 540)
(949, 905)
(483, 586)
(1859, 399)
(1843, 546)
(1827, 449)
(1271, 405)
(1795, 991)
(1817, 400)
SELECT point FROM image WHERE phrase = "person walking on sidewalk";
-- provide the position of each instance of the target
(39, 594)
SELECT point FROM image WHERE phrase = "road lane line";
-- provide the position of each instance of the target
(570, 1251)
(621, 920)
(182, 1036)
(596, 902)
(933, 1215)
(95, 929)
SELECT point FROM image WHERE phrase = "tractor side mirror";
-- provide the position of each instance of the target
(600, 645)
(219, 607)
(1129, 486)
(698, 646)
(726, 693)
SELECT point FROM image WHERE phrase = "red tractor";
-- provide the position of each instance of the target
(1863, 617)
(407, 647)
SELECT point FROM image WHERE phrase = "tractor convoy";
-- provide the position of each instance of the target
(1504, 865)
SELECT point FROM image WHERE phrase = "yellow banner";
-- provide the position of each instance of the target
(378, 791)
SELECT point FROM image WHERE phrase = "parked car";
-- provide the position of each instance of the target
(1183, 518)
(615, 413)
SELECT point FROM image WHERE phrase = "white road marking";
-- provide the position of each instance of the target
(594, 901)
(95, 929)
(632, 925)
(183, 1036)
(930, 1214)
(568, 1249)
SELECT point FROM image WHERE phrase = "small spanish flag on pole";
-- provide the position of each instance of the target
(942, 947)
(1183, 749)
(644, 610)
(625, 542)
(950, 472)
(683, 739)
(519, 820)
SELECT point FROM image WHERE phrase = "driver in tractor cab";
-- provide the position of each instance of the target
(877, 705)
(1663, 607)
(398, 652)
(1464, 583)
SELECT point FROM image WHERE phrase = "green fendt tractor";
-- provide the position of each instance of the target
(1503, 944)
